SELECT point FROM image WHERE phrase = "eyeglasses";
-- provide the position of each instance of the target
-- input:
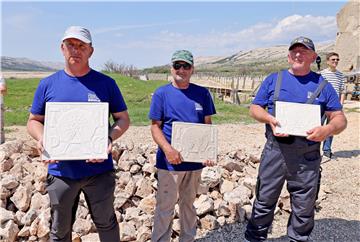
(334, 59)
(186, 66)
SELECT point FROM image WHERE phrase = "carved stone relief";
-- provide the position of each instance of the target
(195, 142)
(297, 118)
(75, 131)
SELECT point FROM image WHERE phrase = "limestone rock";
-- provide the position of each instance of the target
(5, 216)
(203, 204)
(144, 188)
(209, 222)
(92, 237)
(211, 176)
(240, 195)
(148, 204)
(143, 234)
(127, 231)
(82, 226)
(21, 198)
(9, 231)
(226, 186)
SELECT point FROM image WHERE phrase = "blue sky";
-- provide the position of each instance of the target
(145, 34)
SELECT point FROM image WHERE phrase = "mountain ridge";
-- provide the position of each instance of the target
(27, 64)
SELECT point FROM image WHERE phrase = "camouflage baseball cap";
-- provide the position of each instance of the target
(308, 43)
(183, 55)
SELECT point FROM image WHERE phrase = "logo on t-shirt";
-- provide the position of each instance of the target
(309, 94)
(93, 98)
(198, 107)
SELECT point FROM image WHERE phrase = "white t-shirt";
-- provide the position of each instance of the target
(337, 80)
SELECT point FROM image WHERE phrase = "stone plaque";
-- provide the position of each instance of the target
(195, 142)
(297, 118)
(75, 131)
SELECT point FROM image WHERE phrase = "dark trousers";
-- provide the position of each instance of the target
(297, 162)
(99, 194)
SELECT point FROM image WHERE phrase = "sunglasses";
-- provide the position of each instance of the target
(177, 66)
(334, 59)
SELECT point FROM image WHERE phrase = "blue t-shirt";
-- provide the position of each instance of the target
(171, 104)
(92, 87)
(297, 89)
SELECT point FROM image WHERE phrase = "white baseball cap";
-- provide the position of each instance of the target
(78, 32)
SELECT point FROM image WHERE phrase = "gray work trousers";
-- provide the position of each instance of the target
(176, 187)
(298, 163)
(99, 195)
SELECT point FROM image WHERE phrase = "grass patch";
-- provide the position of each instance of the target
(137, 95)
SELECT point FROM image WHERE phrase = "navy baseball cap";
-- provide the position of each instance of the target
(308, 43)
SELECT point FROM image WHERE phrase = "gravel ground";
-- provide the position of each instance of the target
(338, 219)
(339, 216)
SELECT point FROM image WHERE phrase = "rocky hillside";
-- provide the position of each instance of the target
(256, 61)
(25, 64)
(264, 54)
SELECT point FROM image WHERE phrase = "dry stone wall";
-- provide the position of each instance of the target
(225, 195)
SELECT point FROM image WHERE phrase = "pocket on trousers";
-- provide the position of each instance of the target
(312, 155)
(311, 160)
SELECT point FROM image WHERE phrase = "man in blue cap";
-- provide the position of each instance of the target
(177, 180)
(292, 158)
(94, 177)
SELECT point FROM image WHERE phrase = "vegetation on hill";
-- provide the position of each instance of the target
(137, 95)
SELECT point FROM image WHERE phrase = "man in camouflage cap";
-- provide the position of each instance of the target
(178, 180)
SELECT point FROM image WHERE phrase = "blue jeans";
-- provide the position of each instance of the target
(327, 144)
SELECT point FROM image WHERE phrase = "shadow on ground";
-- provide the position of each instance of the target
(325, 230)
(347, 153)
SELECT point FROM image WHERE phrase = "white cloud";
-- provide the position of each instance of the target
(318, 28)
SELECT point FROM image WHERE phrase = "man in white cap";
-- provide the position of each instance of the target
(95, 178)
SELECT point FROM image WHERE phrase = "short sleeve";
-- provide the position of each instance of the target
(38, 104)
(262, 96)
(117, 102)
(156, 107)
(332, 99)
(209, 107)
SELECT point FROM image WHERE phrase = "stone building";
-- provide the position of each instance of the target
(348, 36)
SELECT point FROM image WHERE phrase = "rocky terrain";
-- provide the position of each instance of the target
(25, 64)
(265, 54)
(224, 200)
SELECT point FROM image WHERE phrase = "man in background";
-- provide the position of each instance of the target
(337, 80)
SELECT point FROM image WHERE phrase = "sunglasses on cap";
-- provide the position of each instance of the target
(177, 66)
